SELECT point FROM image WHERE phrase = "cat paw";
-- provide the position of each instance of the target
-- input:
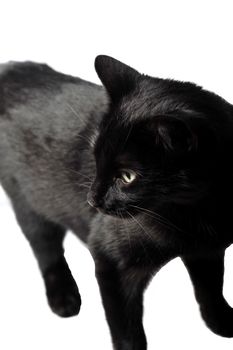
(220, 320)
(65, 303)
(61, 289)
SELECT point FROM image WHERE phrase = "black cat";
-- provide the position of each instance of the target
(152, 157)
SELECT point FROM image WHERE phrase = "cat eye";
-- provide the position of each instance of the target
(127, 176)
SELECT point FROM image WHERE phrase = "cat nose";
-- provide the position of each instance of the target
(93, 201)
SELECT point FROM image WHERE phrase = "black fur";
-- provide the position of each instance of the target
(68, 140)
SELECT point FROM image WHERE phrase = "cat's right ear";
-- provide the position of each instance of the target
(176, 136)
(118, 78)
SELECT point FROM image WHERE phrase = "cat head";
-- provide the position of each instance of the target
(155, 146)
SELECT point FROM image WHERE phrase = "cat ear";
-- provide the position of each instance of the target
(175, 135)
(118, 78)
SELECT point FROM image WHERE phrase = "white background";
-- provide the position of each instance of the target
(186, 40)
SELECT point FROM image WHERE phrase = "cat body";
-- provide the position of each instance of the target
(33, 130)
(139, 170)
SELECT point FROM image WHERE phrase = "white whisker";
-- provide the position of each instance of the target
(140, 225)
(78, 173)
(75, 113)
(162, 220)
(127, 231)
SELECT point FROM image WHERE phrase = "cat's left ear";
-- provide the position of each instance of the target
(118, 78)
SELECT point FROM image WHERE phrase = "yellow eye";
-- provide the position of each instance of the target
(128, 176)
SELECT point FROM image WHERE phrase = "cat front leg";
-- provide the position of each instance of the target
(207, 273)
(122, 298)
(122, 290)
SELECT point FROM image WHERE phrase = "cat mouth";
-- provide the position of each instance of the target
(119, 213)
